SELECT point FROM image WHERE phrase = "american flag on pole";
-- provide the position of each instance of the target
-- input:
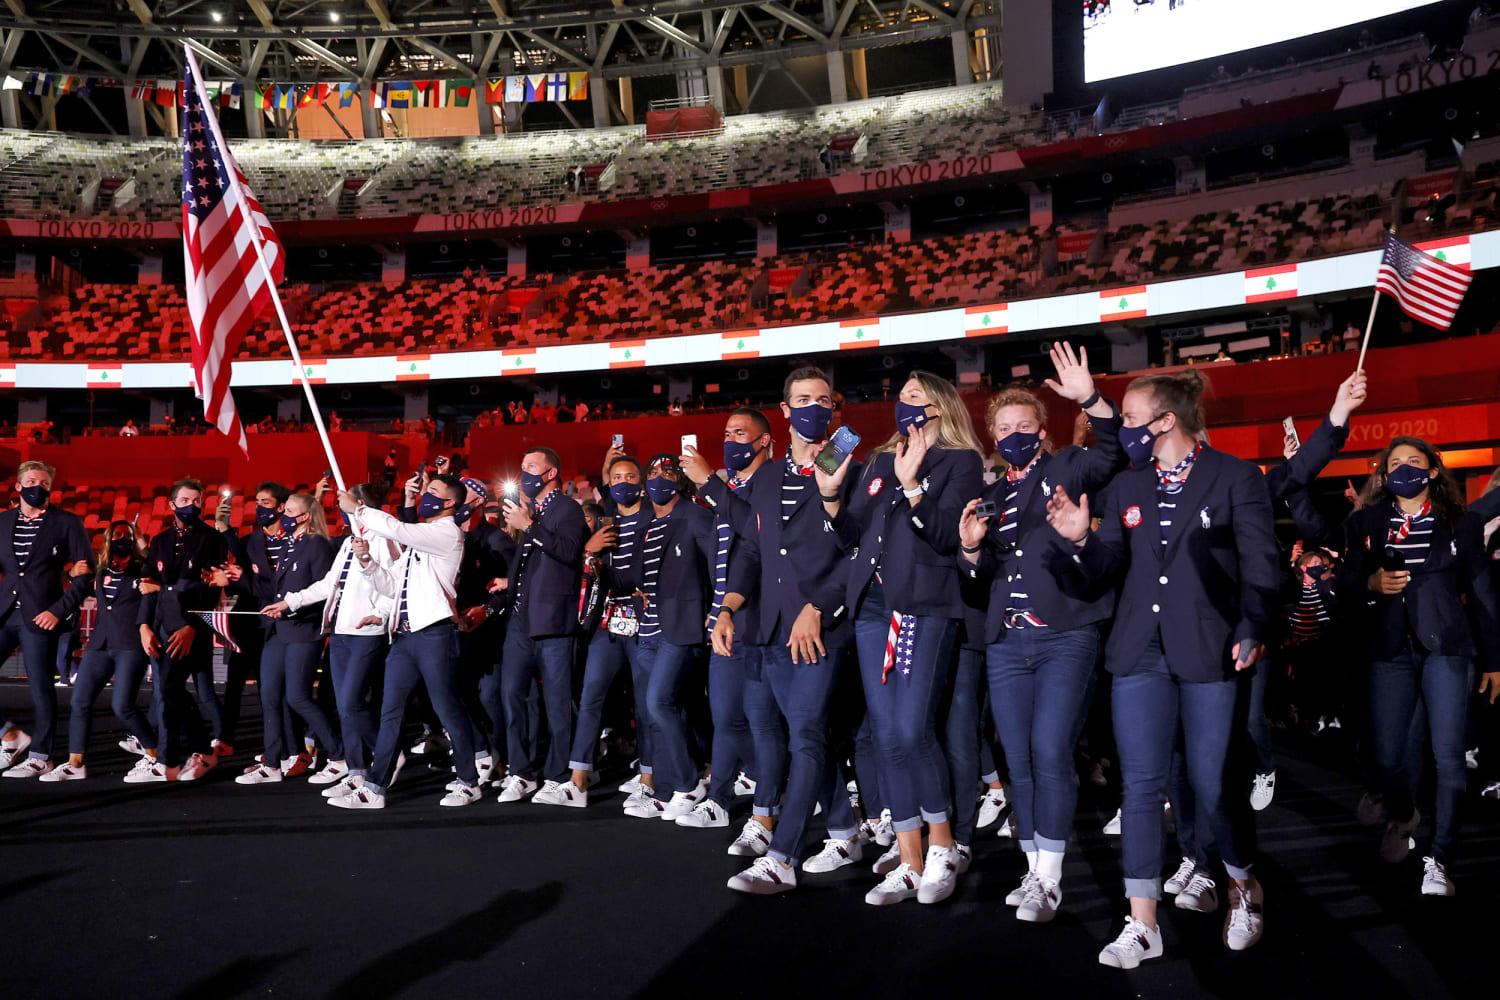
(1426, 289)
(226, 287)
(218, 621)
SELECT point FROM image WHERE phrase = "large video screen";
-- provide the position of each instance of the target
(1122, 37)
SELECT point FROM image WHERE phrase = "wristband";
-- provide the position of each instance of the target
(910, 494)
(831, 499)
(968, 550)
(1090, 401)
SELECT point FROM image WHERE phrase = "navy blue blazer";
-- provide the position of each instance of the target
(794, 559)
(685, 580)
(913, 547)
(256, 586)
(117, 623)
(303, 564)
(552, 571)
(180, 575)
(1214, 585)
(1431, 609)
(60, 541)
(489, 552)
(1060, 595)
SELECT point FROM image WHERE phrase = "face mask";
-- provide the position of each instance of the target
(811, 422)
(1138, 442)
(1316, 571)
(1019, 447)
(430, 506)
(289, 523)
(909, 416)
(660, 489)
(1407, 481)
(187, 513)
(463, 514)
(35, 496)
(626, 494)
(266, 516)
(121, 547)
(737, 457)
(532, 485)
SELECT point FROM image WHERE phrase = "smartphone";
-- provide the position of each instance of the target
(688, 441)
(1289, 427)
(441, 461)
(618, 441)
(327, 473)
(1391, 560)
(511, 490)
(838, 448)
(986, 508)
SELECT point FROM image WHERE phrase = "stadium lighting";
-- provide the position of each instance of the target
(333, 16)
(217, 17)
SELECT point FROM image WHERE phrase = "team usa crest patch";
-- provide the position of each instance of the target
(1132, 517)
(875, 485)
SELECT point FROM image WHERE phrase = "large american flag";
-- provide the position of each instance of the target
(1426, 289)
(226, 288)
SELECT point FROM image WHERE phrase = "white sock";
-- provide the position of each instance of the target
(1049, 864)
(1031, 861)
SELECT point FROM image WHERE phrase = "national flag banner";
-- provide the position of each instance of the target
(377, 95)
(980, 321)
(578, 86)
(413, 367)
(627, 354)
(1267, 284)
(66, 83)
(456, 93)
(494, 91)
(225, 237)
(1123, 303)
(348, 94)
(1426, 289)
(286, 95)
(518, 361)
(104, 376)
(737, 344)
(166, 93)
(41, 85)
(218, 623)
(515, 89)
(230, 96)
(557, 86)
(536, 87)
(13, 82)
(398, 95)
(424, 94)
(316, 372)
(265, 96)
(7, 374)
(317, 93)
(1454, 250)
(857, 333)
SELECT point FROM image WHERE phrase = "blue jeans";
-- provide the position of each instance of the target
(38, 651)
(800, 693)
(352, 660)
(1150, 706)
(180, 729)
(767, 735)
(430, 656)
(674, 761)
(1041, 683)
(961, 741)
(607, 653)
(903, 711)
(733, 749)
(1443, 683)
(526, 660)
(128, 668)
(287, 670)
(1259, 725)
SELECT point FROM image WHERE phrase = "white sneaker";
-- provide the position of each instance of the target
(1180, 878)
(744, 786)
(1395, 844)
(360, 798)
(428, 744)
(765, 877)
(753, 842)
(147, 769)
(992, 804)
(1041, 902)
(1112, 828)
(900, 883)
(888, 861)
(1435, 881)
(644, 805)
(344, 786)
(485, 768)
(260, 775)
(962, 856)
(681, 804)
(1263, 791)
(632, 786)
(197, 766)
(1245, 921)
(11, 749)
(132, 745)
(939, 875)
(461, 796)
(1491, 791)
(883, 832)
(1008, 828)
(1199, 895)
(31, 767)
(706, 815)
(1136, 943)
(514, 788)
(561, 793)
(65, 772)
(1018, 895)
(835, 854)
(336, 770)
(1370, 811)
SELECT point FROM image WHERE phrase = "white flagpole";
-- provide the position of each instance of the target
(1369, 325)
(265, 270)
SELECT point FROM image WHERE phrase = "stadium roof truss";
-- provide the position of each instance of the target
(253, 41)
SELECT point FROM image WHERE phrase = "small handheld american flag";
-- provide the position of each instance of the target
(1427, 289)
(218, 621)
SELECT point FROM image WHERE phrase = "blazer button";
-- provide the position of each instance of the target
(1019, 553)
(1156, 609)
(1161, 579)
(783, 551)
(872, 560)
(22, 573)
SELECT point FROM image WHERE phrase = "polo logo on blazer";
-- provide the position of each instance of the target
(875, 485)
(1046, 490)
(1131, 518)
(1453, 547)
(255, 568)
(677, 551)
(1203, 516)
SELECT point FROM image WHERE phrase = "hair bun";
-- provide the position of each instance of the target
(1192, 380)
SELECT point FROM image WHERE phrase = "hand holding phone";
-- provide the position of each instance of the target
(688, 441)
(1289, 428)
(985, 508)
(617, 441)
(838, 448)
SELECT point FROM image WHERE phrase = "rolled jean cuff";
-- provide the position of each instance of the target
(845, 833)
(1143, 888)
(790, 862)
(906, 825)
(483, 755)
(934, 817)
(1028, 846)
(358, 772)
(37, 756)
(370, 786)
(1048, 844)
(1237, 873)
(646, 769)
(766, 811)
(579, 765)
(991, 778)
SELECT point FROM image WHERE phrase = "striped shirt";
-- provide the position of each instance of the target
(623, 556)
(651, 549)
(721, 560)
(1309, 615)
(1169, 483)
(1411, 537)
(794, 479)
(274, 546)
(109, 583)
(25, 535)
(1018, 613)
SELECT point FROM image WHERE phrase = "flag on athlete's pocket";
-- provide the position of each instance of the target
(1426, 289)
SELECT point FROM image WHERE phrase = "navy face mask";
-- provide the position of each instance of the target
(909, 415)
(1138, 442)
(625, 494)
(289, 523)
(660, 489)
(430, 506)
(266, 516)
(1316, 571)
(811, 422)
(1019, 447)
(35, 496)
(532, 485)
(187, 514)
(1407, 481)
(737, 457)
(121, 547)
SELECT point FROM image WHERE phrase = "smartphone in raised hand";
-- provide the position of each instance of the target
(836, 450)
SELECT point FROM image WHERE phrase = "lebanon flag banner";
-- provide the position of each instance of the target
(857, 333)
(104, 376)
(413, 368)
(982, 320)
(316, 372)
(627, 354)
(1267, 284)
(518, 361)
(1454, 250)
(738, 344)
(1123, 303)
(7, 374)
